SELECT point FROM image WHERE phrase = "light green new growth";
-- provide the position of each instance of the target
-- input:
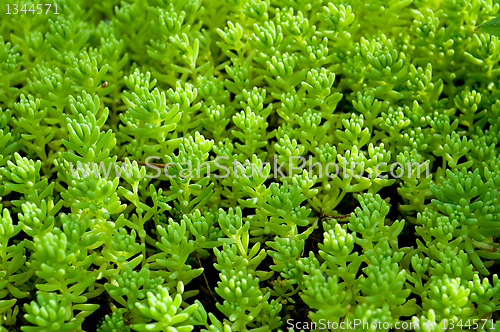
(108, 108)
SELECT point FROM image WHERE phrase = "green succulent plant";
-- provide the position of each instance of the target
(241, 165)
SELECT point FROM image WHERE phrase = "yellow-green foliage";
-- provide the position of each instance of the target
(103, 103)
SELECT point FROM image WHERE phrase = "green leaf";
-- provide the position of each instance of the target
(492, 27)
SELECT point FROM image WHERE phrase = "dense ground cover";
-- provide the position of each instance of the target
(105, 105)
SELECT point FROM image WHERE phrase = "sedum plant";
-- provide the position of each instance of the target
(249, 166)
